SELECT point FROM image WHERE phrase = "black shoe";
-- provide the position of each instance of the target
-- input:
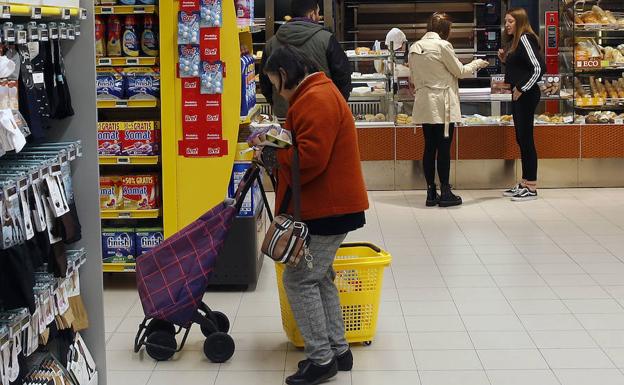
(345, 361)
(312, 374)
(447, 198)
(433, 198)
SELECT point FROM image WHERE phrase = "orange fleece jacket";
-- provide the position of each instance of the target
(332, 183)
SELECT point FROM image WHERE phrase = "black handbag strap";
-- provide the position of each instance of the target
(294, 189)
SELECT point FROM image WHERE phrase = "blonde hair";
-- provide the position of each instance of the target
(522, 26)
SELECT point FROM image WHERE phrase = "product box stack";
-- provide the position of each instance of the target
(123, 245)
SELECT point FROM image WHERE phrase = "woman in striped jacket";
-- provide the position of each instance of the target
(524, 69)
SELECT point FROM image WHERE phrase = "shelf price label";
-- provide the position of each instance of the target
(123, 160)
(105, 61)
(36, 13)
(121, 103)
(108, 10)
(139, 9)
(125, 214)
(619, 121)
(132, 61)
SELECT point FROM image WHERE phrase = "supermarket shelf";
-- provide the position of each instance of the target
(126, 61)
(367, 57)
(134, 103)
(124, 9)
(130, 214)
(118, 267)
(9, 10)
(599, 27)
(123, 160)
(247, 119)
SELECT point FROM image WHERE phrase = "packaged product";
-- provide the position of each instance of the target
(142, 83)
(149, 39)
(118, 245)
(253, 199)
(244, 12)
(127, 2)
(110, 193)
(248, 84)
(140, 192)
(109, 138)
(130, 46)
(550, 85)
(148, 238)
(146, 2)
(109, 83)
(100, 37)
(188, 27)
(141, 138)
(212, 78)
(211, 13)
(113, 29)
(189, 61)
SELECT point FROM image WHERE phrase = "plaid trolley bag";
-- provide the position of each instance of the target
(172, 279)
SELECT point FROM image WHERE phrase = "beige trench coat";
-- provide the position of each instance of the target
(434, 70)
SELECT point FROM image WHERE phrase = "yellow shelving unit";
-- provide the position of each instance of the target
(192, 186)
(124, 9)
(130, 214)
(125, 61)
(118, 267)
(132, 103)
(36, 11)
(123, 160)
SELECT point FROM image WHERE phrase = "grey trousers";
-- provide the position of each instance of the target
(313, 297)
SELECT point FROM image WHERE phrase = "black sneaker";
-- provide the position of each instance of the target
(524, 195)
(310, 373)
(512, 191)
(447, 198)
(345, 361)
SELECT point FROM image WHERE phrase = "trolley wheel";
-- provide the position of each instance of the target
(219, 347)
(159, 325)
(161, 345)
(223, 324)
(368, 343)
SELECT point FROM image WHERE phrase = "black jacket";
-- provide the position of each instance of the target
(525, 66)
(320, 45)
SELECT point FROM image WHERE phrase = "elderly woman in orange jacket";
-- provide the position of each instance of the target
(333, 201)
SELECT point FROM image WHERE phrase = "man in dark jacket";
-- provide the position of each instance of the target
(305, 33)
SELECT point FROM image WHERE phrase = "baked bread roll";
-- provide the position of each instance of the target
(362, 51)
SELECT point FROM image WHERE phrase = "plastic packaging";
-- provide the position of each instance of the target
(110, 193)
(100, 37)
(118, 245)
(148, 238)
(189, 61)
(211, 13)
(109, 84)
(140, 138)
(140, 192)
(188, 27)
(109, 138)
(142, 83)
(113, 45)
(212, 78)
(244, 12)
(130, 38)
(149, 39)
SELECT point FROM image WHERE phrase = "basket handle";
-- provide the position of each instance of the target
(374, 247)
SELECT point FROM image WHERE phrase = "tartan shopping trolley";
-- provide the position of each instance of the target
(172, 279)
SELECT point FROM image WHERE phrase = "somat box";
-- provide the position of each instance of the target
(140, 192)
(141, 138)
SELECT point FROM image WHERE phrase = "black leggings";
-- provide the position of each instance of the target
(523, 115)
(436, 145)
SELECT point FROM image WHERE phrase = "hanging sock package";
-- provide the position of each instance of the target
(142, 83)
(211, 13)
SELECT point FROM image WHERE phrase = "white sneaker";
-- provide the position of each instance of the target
(512, 191)
(524, 195)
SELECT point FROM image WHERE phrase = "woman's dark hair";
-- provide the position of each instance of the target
(440, 23)
(295, 63)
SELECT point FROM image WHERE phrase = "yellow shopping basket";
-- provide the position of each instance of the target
(359, 278)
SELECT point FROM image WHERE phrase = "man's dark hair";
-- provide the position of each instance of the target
(300, 8)
(295, 63)
(440, 23)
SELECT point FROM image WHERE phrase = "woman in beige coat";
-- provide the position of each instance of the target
(435, 70)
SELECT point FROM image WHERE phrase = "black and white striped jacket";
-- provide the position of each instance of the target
(525, 66)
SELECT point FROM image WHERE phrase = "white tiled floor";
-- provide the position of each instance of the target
(490, 293)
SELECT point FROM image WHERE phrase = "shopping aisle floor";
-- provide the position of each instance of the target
(492, 292)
